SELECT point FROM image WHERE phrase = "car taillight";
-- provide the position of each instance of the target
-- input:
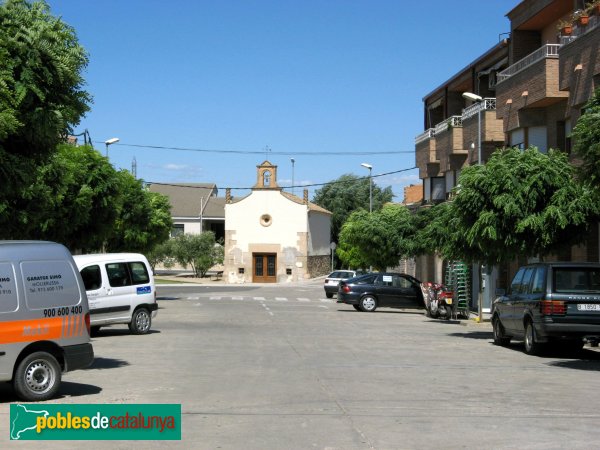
(553, 307)
(346, 288)
(87, 323)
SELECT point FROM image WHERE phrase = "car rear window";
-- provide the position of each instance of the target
(365, 279)
(576, 279)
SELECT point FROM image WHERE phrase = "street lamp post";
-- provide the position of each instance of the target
(478, 99)
(370, 167)
(110, 142)
(293, 162)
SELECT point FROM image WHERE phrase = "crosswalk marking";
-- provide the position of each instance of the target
(326, 300)
(237, 298)
(303, 299)
(262, 299)
(281, 299)
(215, 298)
(259, 298)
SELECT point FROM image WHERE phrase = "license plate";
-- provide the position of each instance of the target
(332, 282)
(588, 307)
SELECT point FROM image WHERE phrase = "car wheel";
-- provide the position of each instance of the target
(328, 295)
(498, 330)
(37, 377)
(356, 307)
(140, 321)
(532, 346)
(368, 303)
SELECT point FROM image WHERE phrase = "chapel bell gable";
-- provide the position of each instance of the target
(266, 176)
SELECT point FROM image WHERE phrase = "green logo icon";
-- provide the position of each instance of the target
(95, 422)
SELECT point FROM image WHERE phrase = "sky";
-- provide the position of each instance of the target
(203, 91)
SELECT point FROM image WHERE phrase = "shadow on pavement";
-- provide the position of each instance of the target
(67, 389)
(484, 335)
(117, 332)
(107, 363)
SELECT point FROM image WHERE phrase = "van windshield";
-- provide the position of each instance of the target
(576, 279)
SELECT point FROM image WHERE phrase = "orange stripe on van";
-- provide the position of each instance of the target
(30, 330)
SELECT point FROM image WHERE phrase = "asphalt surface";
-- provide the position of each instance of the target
(282, 367)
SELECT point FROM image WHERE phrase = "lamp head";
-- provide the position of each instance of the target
(367, 166)
(111, 141)
(472, 97)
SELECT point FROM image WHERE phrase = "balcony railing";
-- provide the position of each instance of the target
(484, 105)
(546, 51)
(454, 121)
(428, 134)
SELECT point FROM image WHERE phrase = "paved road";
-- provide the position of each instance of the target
(258, 367)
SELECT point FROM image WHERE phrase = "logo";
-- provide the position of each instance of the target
(95, 422)
(144, 290)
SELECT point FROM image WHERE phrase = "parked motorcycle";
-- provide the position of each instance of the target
(440, 302)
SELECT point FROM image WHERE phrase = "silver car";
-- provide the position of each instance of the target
(333, 280)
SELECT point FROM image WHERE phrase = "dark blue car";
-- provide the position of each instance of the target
(368, 292)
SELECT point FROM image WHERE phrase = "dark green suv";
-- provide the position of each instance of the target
(550, 303)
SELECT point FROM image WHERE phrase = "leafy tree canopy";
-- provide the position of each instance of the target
(41, 93)
(586, 139)
(347, 194)
(143, 219)
(199, 251)
(379, 239)
(521, 203)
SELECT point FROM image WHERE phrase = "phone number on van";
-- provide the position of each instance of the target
(63, 311)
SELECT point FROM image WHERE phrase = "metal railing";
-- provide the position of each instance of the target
(428, 134)
(484, 105)
(450, 122)
(545, 51)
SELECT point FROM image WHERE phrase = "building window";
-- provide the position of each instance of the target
(438, 188)
(266, 178)
(177, 229)
(266, 220)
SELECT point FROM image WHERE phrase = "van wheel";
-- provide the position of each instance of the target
(500, 337)
(94, 330)
(37, 377)
(140, 321)
(532, 346)
(329, 294)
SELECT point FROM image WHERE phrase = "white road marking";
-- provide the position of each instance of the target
(323, 306)
(281, 299)
(215, 298)
(303, 299)
(326, 300)
(262, 299)
(193, 298)
(271, 313)
(237, 298)
(198, 304)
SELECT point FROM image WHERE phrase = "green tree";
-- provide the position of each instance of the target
(74, 199)
(586, 140)
(143, 220)
(41, 94)
(347, 194)
(521, 203)
(380, 238)
(199, 251)
(161, 254)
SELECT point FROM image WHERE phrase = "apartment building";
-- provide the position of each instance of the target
(527, 90)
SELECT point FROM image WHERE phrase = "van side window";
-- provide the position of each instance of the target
(526, 280)
(139, 273)
(118, 274)
(92, 279)
(515, 286)
(539, 281)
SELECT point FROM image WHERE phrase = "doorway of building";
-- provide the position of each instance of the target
(264, 268)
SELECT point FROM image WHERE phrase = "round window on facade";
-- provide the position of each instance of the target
(265, 220)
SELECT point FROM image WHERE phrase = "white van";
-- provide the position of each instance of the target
(120, 289)
(44, 318)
